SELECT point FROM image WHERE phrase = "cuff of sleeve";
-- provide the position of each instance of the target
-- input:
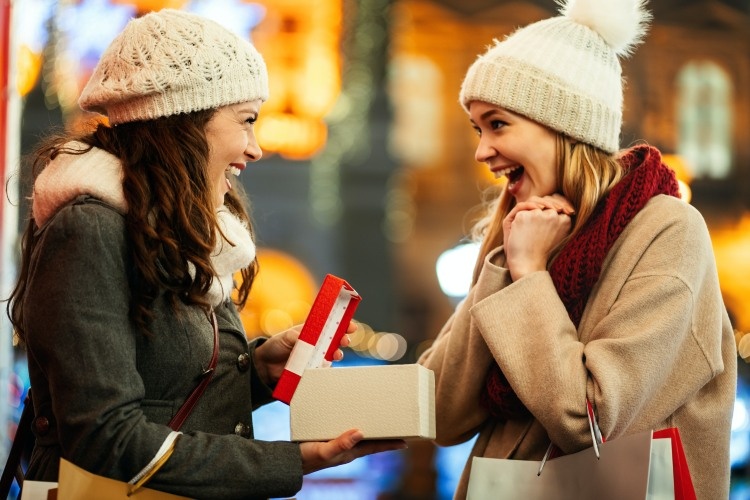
(291, 479)
(493, 276)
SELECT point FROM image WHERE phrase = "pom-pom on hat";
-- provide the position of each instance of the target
(171, 62)
(564, 72)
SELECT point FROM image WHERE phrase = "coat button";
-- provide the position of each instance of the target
(243, 362)
(243, 430)
(41, 424)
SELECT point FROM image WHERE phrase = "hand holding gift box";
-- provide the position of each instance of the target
(384, 402)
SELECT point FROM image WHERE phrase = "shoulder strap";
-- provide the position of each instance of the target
(167, 447)
(184, 411)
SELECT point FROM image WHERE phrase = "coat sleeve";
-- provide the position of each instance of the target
(79, 333)
(460, 359)
(649, 340)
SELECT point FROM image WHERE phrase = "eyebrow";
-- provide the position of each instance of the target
(247, 108)
(488, 113)
(484, 115)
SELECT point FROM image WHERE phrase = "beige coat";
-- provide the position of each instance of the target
(654, 349)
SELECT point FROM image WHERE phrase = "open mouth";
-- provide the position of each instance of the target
(512, 173)
(515, 175)
(234, 170)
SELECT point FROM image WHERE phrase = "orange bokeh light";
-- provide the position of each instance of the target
(732, 248)
(281, 297)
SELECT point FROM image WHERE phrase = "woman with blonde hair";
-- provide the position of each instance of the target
(595, 281)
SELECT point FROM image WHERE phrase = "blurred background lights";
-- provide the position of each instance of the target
(390, 346)
(32, 27)
(731, 243)
(740, 418)
(297, 137)
(378, 345)
(301, 47)
(33, 35)
(683, 173)
(739, 448)
(238, 16)
(149, 5)
(454, 269)
(282, 294)
(275, 321)
(86, 36)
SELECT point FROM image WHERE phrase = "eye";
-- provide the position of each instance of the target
(478, 131)
(496, 124)
(252, 119)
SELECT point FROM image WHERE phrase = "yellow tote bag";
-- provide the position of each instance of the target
(75, 483)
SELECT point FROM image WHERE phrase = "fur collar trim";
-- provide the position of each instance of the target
(99, 174)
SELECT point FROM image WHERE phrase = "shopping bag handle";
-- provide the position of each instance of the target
(596, 437)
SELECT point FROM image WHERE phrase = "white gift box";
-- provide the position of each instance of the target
(384, 402)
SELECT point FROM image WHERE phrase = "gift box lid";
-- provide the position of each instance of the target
(321, 334)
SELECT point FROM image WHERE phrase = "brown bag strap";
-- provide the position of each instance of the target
(164, 453)
(184, 411)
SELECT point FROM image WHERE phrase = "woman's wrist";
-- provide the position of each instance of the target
(261, 368)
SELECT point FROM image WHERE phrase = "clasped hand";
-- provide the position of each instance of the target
(531, 231)
(270, 359)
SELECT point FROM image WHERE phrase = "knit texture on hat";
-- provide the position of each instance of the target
(171, 62)
(564, 72)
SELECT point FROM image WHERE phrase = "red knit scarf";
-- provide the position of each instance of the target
(577, 267)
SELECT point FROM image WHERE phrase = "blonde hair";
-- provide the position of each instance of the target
(586, 175)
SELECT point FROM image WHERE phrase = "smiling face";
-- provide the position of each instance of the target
(517, 148)
(232, 143)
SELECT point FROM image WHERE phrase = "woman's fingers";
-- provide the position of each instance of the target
(345, 448)
(554, 201)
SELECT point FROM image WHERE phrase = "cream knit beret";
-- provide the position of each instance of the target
(564, 72)
(170, 62)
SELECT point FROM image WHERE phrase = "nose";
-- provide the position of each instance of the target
(484, 151)
(253, 151)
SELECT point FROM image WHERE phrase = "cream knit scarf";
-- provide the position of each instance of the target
(99, 174)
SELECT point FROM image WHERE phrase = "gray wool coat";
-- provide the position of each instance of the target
(103, 392)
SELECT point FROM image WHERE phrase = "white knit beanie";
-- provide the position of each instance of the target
(564, 72)
(170, 62)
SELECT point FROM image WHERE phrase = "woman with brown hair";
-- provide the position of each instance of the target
(124, 298)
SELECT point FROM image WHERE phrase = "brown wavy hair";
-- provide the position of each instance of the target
(586, 175)
(171, 219)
